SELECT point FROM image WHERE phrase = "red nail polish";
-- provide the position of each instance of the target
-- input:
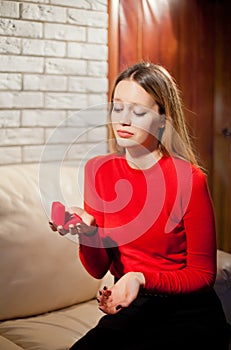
(118, 307)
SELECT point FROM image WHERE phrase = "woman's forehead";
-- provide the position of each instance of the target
(131, 92)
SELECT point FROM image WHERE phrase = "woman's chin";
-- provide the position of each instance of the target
(126, 143)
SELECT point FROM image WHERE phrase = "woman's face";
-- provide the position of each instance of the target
(135, 116)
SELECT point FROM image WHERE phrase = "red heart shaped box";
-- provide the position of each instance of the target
(60, 216)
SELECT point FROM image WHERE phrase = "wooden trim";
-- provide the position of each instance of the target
(113, 43)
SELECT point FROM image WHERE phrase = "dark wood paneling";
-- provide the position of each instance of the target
(196, 73)
(129, 27)
(222, 121)
(175, 34)
(190, 38)
(113, 40)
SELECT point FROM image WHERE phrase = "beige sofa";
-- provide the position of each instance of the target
(47, 299)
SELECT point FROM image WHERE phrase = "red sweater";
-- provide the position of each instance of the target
(158, 221)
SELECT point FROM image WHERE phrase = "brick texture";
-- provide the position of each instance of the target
(53, 72)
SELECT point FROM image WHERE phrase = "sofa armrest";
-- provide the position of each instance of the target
(223, 281)
(223, 268)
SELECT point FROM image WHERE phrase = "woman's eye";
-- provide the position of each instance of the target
(139, 113)
(117, 108)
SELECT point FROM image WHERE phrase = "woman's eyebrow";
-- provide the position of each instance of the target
(117, 99)
(128, 102)
(135, 104)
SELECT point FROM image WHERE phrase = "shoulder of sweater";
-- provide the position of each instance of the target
(101, 159)
(185, 171)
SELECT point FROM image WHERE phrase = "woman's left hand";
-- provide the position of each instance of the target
(87, 226)
(121, 294)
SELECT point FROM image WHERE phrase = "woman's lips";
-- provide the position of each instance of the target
(124, 134)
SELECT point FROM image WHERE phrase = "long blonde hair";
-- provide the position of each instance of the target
(160, 85)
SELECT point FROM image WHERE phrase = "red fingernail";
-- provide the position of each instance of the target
(118, 307)
(107, 293)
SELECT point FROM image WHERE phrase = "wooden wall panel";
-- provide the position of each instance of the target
(190, 38)
(113, 43)
(129, 28)
(222, 125)
(159, 31)
(196, 74)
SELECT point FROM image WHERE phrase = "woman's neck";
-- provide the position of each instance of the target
(142, 158)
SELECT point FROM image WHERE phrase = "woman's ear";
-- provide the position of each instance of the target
(162, 121)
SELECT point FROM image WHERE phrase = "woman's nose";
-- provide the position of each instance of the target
(125, 118)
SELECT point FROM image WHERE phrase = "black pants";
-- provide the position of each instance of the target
(182, 322)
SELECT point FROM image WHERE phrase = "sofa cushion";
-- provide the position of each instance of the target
(40, 270)
(6, 344)
(57, 330)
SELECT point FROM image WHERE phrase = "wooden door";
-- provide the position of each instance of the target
(222, 124)
(185, 36)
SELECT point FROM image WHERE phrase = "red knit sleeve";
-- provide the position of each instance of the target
(200, 270)
(93, 254)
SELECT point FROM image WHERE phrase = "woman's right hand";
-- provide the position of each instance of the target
(122, 293)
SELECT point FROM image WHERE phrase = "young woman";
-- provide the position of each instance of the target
(148, 218)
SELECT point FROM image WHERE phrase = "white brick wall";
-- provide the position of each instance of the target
(53, 64)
